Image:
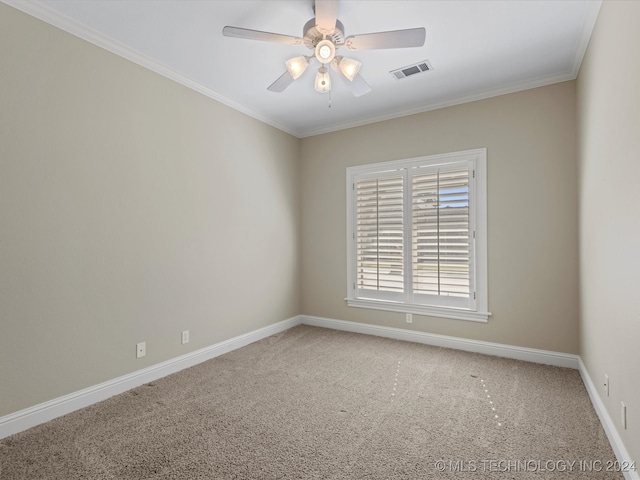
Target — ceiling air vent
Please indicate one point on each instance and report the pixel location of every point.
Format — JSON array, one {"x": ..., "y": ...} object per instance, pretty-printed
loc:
[{"x": 410, "y": 70}]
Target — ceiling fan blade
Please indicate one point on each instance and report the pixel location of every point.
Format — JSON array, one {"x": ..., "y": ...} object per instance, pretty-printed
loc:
[
  {"x": 281, "y": 83},
  {"x": 412, "y": 37},
  {"x": 262, "y": 36},
  {"x": 326, "y": 15},
  {"x": 358, "y": 85}
]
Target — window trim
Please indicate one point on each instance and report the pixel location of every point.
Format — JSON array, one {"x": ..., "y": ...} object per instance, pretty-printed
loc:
[{"x": 478, "y": 203}]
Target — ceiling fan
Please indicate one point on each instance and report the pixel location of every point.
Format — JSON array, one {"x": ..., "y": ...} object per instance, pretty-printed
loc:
[{"x": 324, "y": 35}]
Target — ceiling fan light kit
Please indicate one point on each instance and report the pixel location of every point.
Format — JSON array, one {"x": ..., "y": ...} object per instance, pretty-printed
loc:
[
  {"x": 324, "y": 34},
  {"x": 349, "y": 67},
  {"x": 297, "y": 65},
  {"x": 323, "y": 80}
]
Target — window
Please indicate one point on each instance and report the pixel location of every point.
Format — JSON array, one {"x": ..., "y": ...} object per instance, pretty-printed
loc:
[{"x": 416, "y": 235}]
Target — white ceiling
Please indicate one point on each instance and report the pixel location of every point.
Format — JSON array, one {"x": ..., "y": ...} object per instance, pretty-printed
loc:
[{"x": 477, "y": 49}]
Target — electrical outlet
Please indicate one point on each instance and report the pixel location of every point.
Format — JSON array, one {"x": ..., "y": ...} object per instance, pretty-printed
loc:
[
  {"x": 185, "y": 336},
  {"x": 606, "y": 385},
  {"x": 141, "y": 349},
  {"x": 623, "y": 415},
  {"x": 409, "y": 317}
]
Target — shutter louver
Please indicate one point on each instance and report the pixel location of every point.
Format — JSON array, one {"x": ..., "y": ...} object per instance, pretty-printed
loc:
[
  {"x": 379, "y": 234},
  {"x": 441, "y": 242},
  {"x": 417, "y": 235}
]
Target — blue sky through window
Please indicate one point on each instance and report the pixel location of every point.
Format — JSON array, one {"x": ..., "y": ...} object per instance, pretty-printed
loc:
[{"x": 455, "y": 197}]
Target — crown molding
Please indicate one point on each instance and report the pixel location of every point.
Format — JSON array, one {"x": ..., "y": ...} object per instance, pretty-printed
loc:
[
  {"x": 481, "y": 95},
  {"x": 593, "y": 10},
  {"x": 47, "y": 15},
  {"x": 42, "y": 12},
  {"x": 591, "y": 17}
]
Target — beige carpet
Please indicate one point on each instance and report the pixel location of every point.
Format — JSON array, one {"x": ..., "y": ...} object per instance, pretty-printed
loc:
[{"x": 316, "y": 403}]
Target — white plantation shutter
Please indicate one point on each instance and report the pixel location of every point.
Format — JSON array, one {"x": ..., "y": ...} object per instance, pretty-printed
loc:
[
  {"x": 417, "y": 235},
  {"x": 379, "y": 236},
  {"x": 441, "y": 236}
]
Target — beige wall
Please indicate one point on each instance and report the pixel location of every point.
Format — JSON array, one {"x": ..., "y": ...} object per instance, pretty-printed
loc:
[
  {"x": 609, "y": 170},
  {"x": 532, "y": 210},
  {"x": 131, "y": 209}
]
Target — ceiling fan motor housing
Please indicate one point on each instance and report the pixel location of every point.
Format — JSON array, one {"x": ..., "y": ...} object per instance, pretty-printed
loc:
[{"x": 311, "y": 36}]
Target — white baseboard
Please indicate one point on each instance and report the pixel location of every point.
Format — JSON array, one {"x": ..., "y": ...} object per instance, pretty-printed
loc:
[
  {"x": 609, "y": 426},
  {"x": 43, "y": 412},
  {"x": 497, "y": 349},
  {"x": 32, "y": 416}
]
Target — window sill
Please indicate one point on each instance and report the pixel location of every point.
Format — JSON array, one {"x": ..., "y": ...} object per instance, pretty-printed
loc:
[{"x": 455, "y": 313}]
